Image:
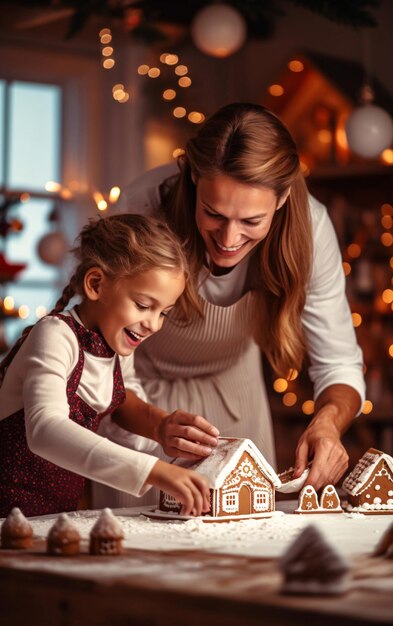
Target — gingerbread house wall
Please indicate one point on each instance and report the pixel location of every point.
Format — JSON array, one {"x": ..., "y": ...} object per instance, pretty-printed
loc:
[
  {"x": 246, "y": 490},
  {"x": 377, "y": 489}
]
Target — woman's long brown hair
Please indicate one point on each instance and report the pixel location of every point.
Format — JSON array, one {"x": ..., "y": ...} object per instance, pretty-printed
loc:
[{"x": 250, "y": 144}]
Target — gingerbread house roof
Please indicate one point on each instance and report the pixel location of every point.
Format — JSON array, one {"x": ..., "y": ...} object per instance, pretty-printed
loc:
[
  {"x": 224, "y": 459},
  {"x": 358, "y": 478}
]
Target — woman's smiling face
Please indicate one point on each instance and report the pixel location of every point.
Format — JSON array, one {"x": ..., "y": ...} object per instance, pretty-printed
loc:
[{"x": 232, "y": 218}]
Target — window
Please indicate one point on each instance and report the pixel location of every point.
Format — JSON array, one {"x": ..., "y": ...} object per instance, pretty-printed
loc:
[
  {"x": 30, "y": 151},
  {"x": 230, "y": 502},
  {"x": 261, "y": 500}
]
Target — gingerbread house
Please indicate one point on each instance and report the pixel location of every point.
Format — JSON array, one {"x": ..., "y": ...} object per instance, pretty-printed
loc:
[
  {"x": 242, "y": 482},
  {"x": 370, "y": 484}
]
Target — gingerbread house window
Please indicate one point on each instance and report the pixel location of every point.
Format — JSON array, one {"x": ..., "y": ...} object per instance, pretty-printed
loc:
[
  {"x": 261, "y": 500},
  {"x": 231, "y": 502}
]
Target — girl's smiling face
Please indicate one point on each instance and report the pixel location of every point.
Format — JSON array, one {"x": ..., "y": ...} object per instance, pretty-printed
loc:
[
  {"x": 127, "y": 310},
  {"x": 233, "y": 218}
]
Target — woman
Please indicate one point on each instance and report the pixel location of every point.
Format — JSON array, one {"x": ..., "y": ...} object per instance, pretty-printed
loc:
[{"x": 268, "y": 269}]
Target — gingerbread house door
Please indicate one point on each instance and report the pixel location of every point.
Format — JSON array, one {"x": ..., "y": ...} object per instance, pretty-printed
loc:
[{"x": 245, "y": 500}]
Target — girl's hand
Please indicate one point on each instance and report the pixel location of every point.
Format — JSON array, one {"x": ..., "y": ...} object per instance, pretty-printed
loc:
[
  {"x": 185, "y": 435},
  {"x": 187, "y": 486}
]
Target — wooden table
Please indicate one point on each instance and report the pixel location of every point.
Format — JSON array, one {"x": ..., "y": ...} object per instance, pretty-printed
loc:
[{"x": 178, "y": 588}]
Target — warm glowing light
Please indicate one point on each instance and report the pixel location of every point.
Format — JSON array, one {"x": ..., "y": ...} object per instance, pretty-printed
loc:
[
  {"x": 143, "y": 69},
  {"x": 391, "y": 262},
  {"x": 154, "y": 72},
  {"x": 8, "y": 303},
  {"x": 177, "y": 152},
  {"x": 386, "y": 239},
  {"x": 387, "y": 296},
  {"x": 179, "y": 112},
  {"x": 356, "y": 319},
  {"x": 41, "y": 311},
  {"x": 169, "y": 94},
  {"x": 181, "y": 70},
  {"x": 387, "y": 156},
  {"x": 117, "y": 87},
  {"x": 185, "y": 81},
  {"x": 354, "y": 250},
  {"x": 390, "y": 350},
  {"x": 289, "y": 399},
  {"x": 276, "y": 90},
  {"x": 107, "y": 64},
  {"x": 172, "y": 59},
  {"x": 304, "y": 168},
  {"x": 100, "y": 201},
  {"x": 24, "y": 197},
  {"x": 308, "y": 407},
  {"x": 163, "y": 57},
  {"x": 324, "y": 136},
  {"x": 195, "y": 117},
  {"x": 52, "y": 186},
  {"x": 107, "y": 38},
  {"x": 124, "y": 98},
  {"x": 65, "y": 194},
  {"x": 387, "y": 221},
  {"x": 107, "y": 51},
  {"x": 347, "y": 268},
  {"x": 118, "y": 94},
  {"x": 114, "y": 194},
  {"x": 367, "y": 407},
  {"x": 387, "y": 209},
  {"x": 296, "y": 66},
  {"x": 292, "y": 374},
  {"x": 104, "y": 31},
  {"x": 23, "y": 312},
  {"x": 341, "y": 138},
  {"x": 280, "y": 385}
]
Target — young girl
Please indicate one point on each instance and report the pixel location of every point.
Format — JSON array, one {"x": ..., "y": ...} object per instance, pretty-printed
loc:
[{"x": 72, "y": 368}]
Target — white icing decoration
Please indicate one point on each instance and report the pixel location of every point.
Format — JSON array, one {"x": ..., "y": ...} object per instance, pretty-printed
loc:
[
  {"x": 377, "y": 487},
  {"x": 377, "y": 500}
]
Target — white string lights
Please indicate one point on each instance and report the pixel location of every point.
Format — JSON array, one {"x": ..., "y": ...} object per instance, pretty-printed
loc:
[{"x": 180, "y": 80}]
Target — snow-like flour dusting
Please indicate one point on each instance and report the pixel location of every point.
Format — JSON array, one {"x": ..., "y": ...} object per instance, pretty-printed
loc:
[{"x": 268, "y": 537}]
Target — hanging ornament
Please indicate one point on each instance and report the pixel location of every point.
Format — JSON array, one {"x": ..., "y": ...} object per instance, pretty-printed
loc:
[
  {"x": 8, "y": 271},
  {"x": 369, "y": 128},
  {"x": 218, "y": 30},
  {"x": 52, "y": 248}
]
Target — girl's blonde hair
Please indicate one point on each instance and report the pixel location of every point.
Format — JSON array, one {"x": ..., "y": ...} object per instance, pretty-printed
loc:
[
  {"x": 122, "y": 245},
  {"x": 250, "y": 144}
]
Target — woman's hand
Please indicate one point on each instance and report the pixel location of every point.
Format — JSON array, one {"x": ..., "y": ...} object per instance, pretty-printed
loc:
[
  {"x": 186, "y": 435},
  {"x": 187, "y": 486},
  {"x": 321, "y": 441}
]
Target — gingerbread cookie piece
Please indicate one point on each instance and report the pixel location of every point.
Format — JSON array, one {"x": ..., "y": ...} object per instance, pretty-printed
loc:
[
  {"x": 106, "y": 536},
  {"x": 16, "y": 531},
  {"x": 330, "y": 502},
  {"x": 308, "y": 500},
  {"x": 313, "y": 566},
  {"x": 63, "y": 538}
]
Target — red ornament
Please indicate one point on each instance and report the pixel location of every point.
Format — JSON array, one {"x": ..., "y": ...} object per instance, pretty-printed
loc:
[{"x": 8, "y": 271}]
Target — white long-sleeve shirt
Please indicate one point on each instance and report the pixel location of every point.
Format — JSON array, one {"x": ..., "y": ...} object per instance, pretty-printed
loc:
[{"x": 36, "y": 381}]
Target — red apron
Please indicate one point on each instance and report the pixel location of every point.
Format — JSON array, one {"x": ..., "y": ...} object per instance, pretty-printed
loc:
[{"x": 32, "y": 483}]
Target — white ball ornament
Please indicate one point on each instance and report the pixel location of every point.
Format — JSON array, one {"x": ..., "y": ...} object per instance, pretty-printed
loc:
[
  {"x": 218, "y": 30},
  {"x": 369, "y": 131},
  {"x": 52, "y": 248}
]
